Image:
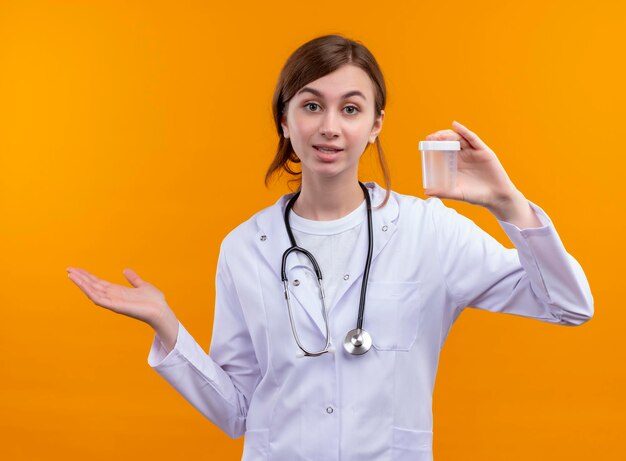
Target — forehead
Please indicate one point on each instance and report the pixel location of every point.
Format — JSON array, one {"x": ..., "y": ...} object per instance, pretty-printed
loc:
[{"x": 344, "y": 82}]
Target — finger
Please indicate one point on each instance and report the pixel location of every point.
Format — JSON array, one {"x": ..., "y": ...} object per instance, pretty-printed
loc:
[
  {"x": 96, "y": 292},
  {"x": 442, "y": 134},
  {"x": 448, "y": 135},
  {"x": 471, "y": 137},
  {"x": 86, "y": 274},
  {"x": 439, "y": 193},
  {"x": 96, "y": 284},
  {"x": 133, "y": 278},
  {"x": 84, "y": 285},
  {"x": 91, "y": 283}
]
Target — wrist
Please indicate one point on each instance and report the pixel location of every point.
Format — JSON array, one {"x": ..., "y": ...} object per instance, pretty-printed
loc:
[
  {"x": 517, "y": 212},
  {"x": 161, "y": 316},
  {"x": 165, "y": 325},
  {"x": 508, "y": 205}
]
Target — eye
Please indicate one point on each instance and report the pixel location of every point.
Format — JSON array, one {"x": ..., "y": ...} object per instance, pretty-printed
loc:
[{"x": 351, "y": 109}]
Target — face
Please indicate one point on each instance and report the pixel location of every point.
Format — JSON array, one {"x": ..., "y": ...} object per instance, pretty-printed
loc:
[{"x": 336, "y": 110}]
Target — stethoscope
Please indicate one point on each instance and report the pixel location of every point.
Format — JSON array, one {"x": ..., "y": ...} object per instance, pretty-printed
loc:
[{"x": 357, "y": 341}]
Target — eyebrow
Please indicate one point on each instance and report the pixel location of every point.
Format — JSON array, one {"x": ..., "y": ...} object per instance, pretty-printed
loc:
[{"x": 318, "y": 94}]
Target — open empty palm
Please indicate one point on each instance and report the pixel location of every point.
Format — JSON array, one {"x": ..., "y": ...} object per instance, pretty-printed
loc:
[{"x": 143, "y": 301}]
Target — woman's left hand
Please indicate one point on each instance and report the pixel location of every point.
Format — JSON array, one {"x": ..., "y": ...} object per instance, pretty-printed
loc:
[{"x": 481, "y": 177}]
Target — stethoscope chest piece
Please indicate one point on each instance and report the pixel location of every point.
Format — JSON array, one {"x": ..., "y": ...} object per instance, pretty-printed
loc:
[{"x": 357, "y": 342}]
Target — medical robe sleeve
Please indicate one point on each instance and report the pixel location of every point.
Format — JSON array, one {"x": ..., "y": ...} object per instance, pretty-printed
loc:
[
  {"x": 220, "y": 384},
  {"x": 536, "y": 279}
]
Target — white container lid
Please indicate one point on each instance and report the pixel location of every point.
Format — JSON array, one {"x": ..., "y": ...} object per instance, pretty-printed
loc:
[{"x": 439, "y": 145}]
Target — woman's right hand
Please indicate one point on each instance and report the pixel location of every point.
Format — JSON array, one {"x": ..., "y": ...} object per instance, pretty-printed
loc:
[{"x": 144, "y": 301}]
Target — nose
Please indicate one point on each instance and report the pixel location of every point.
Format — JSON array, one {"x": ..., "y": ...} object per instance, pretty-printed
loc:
[{"x": 329, "y": 126}]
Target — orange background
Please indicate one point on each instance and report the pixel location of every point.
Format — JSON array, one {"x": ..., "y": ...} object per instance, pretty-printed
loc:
[{"x": 138, "y": 135}]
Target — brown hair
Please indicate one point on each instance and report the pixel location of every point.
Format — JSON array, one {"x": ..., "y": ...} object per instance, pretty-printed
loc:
[{"x": 313, "y": 60}]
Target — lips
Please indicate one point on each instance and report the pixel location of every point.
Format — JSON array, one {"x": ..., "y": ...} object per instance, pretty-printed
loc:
[
  {"x": 327, "y": 150},
  {"x": 327, "y": 156}
]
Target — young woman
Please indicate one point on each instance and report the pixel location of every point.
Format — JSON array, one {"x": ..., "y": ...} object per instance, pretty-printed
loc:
[{"x": 330, "y": 351}]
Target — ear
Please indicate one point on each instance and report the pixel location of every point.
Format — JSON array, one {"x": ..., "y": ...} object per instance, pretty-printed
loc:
[
  {"x": 283, "y": 124},
  {"x": 378, "y": 125}
]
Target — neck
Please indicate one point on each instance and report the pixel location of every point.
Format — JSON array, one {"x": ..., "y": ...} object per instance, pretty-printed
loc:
[{"x": 327, "y": 200}]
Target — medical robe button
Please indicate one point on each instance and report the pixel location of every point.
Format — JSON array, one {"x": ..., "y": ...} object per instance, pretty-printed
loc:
[
  {"x": 263, "y": 238},
  {"x": 329, "y": 410},
  {"x": 346, "y": 277},
  {"x": 296, "y": 282},
  {"x": 385, "y": 228}
]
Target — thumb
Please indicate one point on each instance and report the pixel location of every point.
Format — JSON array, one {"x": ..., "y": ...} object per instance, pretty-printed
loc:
[
  {"x": 440, "y": 193},
  {"x": 133, "y": 278}
]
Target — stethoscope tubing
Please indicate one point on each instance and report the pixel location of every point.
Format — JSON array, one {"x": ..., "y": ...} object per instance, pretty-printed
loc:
[{"x": 295, "y": 248}]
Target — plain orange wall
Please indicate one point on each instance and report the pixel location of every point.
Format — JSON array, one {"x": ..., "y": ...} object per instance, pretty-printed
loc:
[{"x": 137, "y": 134}]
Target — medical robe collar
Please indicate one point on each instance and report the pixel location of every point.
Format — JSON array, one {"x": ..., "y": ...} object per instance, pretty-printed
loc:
[{"x": 272, "y": 240}]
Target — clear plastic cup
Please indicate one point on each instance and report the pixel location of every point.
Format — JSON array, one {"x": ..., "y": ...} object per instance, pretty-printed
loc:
[{"x": 439, "y": 163}]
